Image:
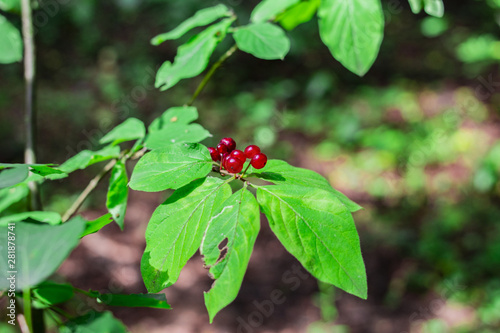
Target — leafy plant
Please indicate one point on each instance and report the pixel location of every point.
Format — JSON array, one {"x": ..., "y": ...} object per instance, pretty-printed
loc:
[{"x": 311, "y": 219}]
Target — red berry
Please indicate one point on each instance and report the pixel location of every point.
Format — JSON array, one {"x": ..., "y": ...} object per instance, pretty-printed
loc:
[
  {"x": 259, "y": 160},
  {"x": 251, "y": 150},
  {"x": 229, "y": 143},
  {"x": 234, "y": 165},
  {"x": 225, "y": 158},
  {"x": 214, "y": 154},
  {"x": 238, "y": 154},
  {"x": 222, "y": 148}
]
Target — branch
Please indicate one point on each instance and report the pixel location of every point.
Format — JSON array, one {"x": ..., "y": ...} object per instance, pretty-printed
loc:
[
  {"x": 27, "y": 308},
  {"x": 30, "y": 111},
  {"x": 95, "y": 181},
  {"x": 211, "y": 72},
  {"x": 90, "y": 187}
]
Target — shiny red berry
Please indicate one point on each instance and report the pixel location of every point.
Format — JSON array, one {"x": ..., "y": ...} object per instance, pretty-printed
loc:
[
  {"x": 238, "y": 154},
  {"x": 222, "y": 148},
  {"x": 251, "y": 150},
  {"x": 225, "y": 158},
  {"x": 214, "y": 154},
  {"x": 229, "y": 143},
  {"x": 234, "y": 165},
  {"x": 259, "y": 160}
]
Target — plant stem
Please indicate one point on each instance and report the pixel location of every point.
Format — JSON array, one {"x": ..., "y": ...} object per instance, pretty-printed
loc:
[
  {"x": 86, "y": 293},
  {"x": 27, "y": 308},
  {"x": 23, "y": 327},
  {"x": 90, "y": 187},
  {"x": 211, "y": 72},
  {"x": 95, "y": 181},
  {"x": 30, "y": 110}
]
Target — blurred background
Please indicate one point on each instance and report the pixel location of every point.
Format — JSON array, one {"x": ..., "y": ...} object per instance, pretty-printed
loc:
[{"x": 415, "y": 142}]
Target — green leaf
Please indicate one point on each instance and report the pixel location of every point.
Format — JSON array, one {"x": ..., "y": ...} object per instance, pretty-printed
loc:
[
  {"x": 262, "y": 40},
  {"x": 319, "y": 231},
  {"x": 176, "y": 133},
  {"x": 158, "y": 301},
  {"x": 176, "y": 229},
  {"x": 353, "y": 31},
  {"x": 174, "y": 115},
  {"x": 280, "y": 172},
  {"x": 14, "y": 175},
  {"x": 434, "y": 7},
  {"x": 41, "y": 248},
  {"x": 171, "y": 167},
  {"x": 48, "y": 172},
  {"x": 130, "y": 129},
  {"x": 239, "y": 222},
  {"x": 49, "y": 293},
  {"x": 298, "y": 14},
  {"x": 192, "y": 58},
  {"x": 10, "y": 42},
  {"x": 118, "y": 193},
  {"x": 10, "y": 5},
  {"x": 173, "y": 126},
  {"x": 200, "y": 18},
  {"x": 416, "y": 6},
  {"x": 268, "y": 9},
  {"x": 86, "y": 158},
  {"x": 97, "y": 224},
  {"x": 11, "y": 195},
  {"x": 431, "y": 7},
  {"x": 44, "y": 217},
  {"x": 94, "y": 322},
  {"x": 39, "y": 171}
]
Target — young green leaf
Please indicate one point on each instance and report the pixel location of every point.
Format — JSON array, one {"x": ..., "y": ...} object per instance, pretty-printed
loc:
[
  {"x": 49, "y": 293},
  {"x": 118, "y": 193},
  {"x": 238, "y": 221},
  {"x": 173, "y": 126},
  {"x": 10, "y": 42},
  {"x": 11, "y": 195},
  {"x": 352, "y": 31},
  {"x": 42, "y": 248},
  {"x": 86, "y": 158},
  {"x": 13, "y": 175},
  {"x": 176, "y": 229},
  {"x": 171, "y": 167},
  {"x": 268, "y": 9},
  {"x": 262, "y": 40},
  {"x": 192, "y": 58},
  {"x": 434, "y": 7},
  {"x": 298, "y": 14},
  {"x": 94, "y": 322},
  {"x": 319, "y": 231},
  {"x": 280, "y": 172},
  {"x": 416, "y": 6},
  {"x": 130, "y": 129},
  {"x": 157, "y": 301},
  {"x": 48, "y": 172},
  {"x": 200, "y": 18},
  {"x": 44, "y": 217},
  {"x": 174, "y": 115},
  {"x": 10, "y": 5},
  {"x": 97, "y": 224}
]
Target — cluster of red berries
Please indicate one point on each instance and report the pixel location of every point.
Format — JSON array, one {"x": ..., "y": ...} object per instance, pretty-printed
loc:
[{"x": 233, "y": 159}]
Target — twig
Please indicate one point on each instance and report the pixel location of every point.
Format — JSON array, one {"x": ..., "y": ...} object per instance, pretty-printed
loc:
[
  {"x": 30, "y": 111},
  {"x": 90, "y": 187},
  {"x": 211, "y": 72},
  {"x": 95, "y": 181},
  {"x": 27, "y": 308},
  {"x": 23, "y": 327}
]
